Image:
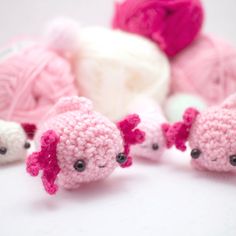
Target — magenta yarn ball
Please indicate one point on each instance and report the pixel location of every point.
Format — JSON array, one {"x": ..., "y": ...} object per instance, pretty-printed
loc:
[
  {"x": 206, "y": 68},
  {"x": 172, "y": 24},
  {"x": 32, "y": 79}
]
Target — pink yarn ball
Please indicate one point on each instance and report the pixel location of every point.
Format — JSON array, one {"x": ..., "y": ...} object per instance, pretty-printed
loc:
[
  {"x": 207, "y": 68},
  {"x": 173, "y": 24},
  {"x": 32, "y": 79}
]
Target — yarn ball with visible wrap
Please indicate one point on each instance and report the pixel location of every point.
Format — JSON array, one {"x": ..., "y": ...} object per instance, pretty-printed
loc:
[
  {"x": 32, "y": 78},
  {"x": 172, "y": 24},
  {"x": 207, "y": 69}
]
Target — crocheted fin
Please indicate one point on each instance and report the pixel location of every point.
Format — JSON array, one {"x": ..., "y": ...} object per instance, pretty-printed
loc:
[
  {"x": 177, "y": 134},
  {"x": 29, "y": 129},
  {"x": 230, "y": 102},
  {"x": 130, "y": 134},
  {"x": 46, "y": 161},
  {"x": 73, "y": 103}
]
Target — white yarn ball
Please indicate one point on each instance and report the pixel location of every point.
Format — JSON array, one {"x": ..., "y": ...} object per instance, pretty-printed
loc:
[
  {"x": 115, "y": 67},
  {"x": 12, "y": 138},
  {"x": 176, "y": 104}
]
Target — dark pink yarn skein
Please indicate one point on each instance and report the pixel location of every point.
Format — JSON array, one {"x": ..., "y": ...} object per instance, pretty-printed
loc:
[{"x": 172, "y": 24}]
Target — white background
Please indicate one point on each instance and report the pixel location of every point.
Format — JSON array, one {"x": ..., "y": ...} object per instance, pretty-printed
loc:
[{"x": 167, "y": 198}]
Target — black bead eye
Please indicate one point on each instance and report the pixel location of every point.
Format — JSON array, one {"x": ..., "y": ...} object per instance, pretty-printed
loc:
[
  {"x": 155, "y": 146},
  {"x": 3, "y": 150},
  {"x": 80, "y": 165},
  {"x": 121, "y": 158},
  {"x": 27, "y": 145},
  {"x": 195, "y": 153},
  {"x": 232, "y": 160}
]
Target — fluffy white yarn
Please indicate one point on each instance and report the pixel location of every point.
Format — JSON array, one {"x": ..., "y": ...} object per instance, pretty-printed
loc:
[
  {"x": 13, "y": 138},
  {"x": 112, "y": 67},
  {"x": 176, "y": 104},
  {"x": 116, "y": 67},
  {"x": 61, "y": 35}
]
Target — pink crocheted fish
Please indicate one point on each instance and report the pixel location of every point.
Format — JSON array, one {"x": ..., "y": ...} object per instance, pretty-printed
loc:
[
  {"x": 79, "y": 145},
  {"x": 152, "y": 119},
  {"x": 211, "y": 136}
]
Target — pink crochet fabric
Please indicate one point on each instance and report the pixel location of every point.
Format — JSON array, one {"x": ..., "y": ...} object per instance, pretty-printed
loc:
[
  {"x": 131, "y": 135},
  {"x": 178, "y": 133},
  {"x": 173, "y": 24},
  {"x": 155, "y": 144},
  {"x": 32, "y": 78},
  {"x": 211, "y": 136},
  {"x": 79, "y": 145},
  {"x": 30, "y": 129},
  {"x": 206, "y": 68}
]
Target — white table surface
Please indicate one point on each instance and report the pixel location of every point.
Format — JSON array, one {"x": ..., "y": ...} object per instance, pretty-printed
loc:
[{"x": 162, "y": 199}]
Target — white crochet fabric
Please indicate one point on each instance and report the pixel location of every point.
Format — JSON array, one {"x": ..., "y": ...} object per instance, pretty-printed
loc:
[{"x": 12, "y": 139}]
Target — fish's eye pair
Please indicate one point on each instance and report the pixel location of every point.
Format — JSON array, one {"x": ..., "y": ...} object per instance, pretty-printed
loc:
[
  {"x": 3, "y": 150},
  {"x": 80, "y": 165},
  {"x": 195, "y": 154}
]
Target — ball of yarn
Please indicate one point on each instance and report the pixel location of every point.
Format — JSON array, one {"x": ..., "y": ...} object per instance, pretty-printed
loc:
[
  {"x": 61, "y": 35},
  {"x": 172, "y": 24},
  {"x": 32, "y": 79},
  {"x": 115, "y": 67},
  {"x": 207, "y": 69},
  {"x": 177, "y": 103},
  {"x": 112, "y": 67}
]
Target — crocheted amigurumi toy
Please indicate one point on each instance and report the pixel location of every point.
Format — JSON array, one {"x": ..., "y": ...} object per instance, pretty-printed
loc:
[
  {"x": 152, "y": 119},
  {"x": 13, "y": 141},
  {"x": 211, "y": 135},
  {"x": 79, "y": 145}
]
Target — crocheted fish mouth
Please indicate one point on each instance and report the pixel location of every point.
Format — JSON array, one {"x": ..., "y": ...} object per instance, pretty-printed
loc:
[
  {"x": 214, "y": 160},
  {"x": 102, "y": 166}
]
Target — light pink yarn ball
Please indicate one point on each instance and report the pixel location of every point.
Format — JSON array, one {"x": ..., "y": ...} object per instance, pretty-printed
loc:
[
  {"x": 32, "y": 79},
  {"x": 207, "y": 68}
]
